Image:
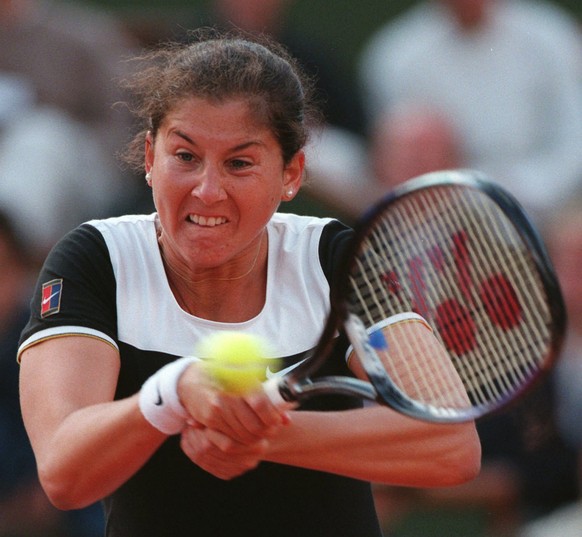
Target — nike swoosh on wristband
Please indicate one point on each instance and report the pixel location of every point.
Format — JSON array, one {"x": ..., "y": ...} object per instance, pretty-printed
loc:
[{"x": 160, "y": 401}]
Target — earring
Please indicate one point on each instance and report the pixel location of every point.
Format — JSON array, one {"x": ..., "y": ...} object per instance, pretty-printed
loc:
[
  {"x": 290, "y": 193},
  {"x": 148, "y": 177}
]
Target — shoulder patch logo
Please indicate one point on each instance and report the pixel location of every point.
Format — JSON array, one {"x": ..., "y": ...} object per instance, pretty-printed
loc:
[{"x": 51, "y": 297}]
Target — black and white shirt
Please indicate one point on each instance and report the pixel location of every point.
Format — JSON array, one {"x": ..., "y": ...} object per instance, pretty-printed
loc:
[{"x": 106, "y": 280}]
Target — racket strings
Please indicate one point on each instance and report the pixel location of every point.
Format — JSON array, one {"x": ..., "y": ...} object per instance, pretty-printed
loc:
[
  {"x": 517, "y": 305},
  {"x": 431, "y": 386},
  {"x": 459, "y": 262},
  {"x": 497, "y": 315},
  {"x": 501, "y": 358},
  {"x": 431, "y": 390},
  {"x": 431, "y": 235},
  {"x": 448, "y": 287}
]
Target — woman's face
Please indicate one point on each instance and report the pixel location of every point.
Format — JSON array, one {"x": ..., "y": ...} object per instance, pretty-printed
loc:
[{"x": 217, "y": 175}]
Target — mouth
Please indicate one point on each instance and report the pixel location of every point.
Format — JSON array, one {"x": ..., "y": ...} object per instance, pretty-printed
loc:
[{"x": 206, "y": 221}]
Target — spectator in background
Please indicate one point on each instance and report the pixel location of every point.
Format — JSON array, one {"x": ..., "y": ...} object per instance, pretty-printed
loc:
[
  {"x": 410, "y": 141},
  {"x": 58, "y": 126},
  {"x": 71, "y": 55},
  {"x": 53, "y": 172},
  {"x": 404, "y": 142},
  {"x": 506, "y": 74}
]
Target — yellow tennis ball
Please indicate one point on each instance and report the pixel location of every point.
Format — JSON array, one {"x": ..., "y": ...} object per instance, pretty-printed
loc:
[{"x": 236, "y": 360}]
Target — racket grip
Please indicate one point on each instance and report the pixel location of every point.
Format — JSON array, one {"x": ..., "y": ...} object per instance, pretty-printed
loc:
[{"x": 271, "y": 388}]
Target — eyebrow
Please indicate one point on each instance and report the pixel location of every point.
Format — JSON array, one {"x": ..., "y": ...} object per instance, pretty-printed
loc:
[{"x": 239, "y": 147}]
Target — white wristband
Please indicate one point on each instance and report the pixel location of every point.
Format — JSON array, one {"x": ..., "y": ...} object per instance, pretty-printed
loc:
[
  {"x": 393, "y": 319},
  {"x": 158, "y": 398}
]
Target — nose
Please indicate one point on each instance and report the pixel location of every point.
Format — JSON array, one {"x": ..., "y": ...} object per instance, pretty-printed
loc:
[{"x": 209, "y": 187}]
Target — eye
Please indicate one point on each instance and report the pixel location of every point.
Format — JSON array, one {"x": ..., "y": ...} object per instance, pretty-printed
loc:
[
  {"x": 238, "y": 164},
  {"x": 185, "y": 156}
]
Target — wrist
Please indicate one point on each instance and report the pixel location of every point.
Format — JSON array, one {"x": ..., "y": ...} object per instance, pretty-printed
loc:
[{"x": 158, "y": 398}]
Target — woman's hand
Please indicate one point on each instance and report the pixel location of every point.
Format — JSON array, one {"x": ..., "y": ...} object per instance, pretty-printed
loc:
[
  {"x": 227, "y": 434},
  {"x": 220, "y": 455}
]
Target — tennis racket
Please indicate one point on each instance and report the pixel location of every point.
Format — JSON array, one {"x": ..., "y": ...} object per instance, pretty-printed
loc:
[{"x": 449, "y": 300}]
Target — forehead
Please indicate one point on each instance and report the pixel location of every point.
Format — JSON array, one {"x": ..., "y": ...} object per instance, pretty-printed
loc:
[{"x": 232, "y": 114}]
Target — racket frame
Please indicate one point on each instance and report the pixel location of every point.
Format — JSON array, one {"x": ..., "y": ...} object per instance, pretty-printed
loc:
[{"x": 299, "y": 384}]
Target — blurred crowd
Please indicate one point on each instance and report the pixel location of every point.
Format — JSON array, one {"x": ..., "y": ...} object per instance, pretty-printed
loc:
[{"x": 493, "y": 85}]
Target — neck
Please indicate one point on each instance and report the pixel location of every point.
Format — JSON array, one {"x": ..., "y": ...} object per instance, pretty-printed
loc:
[
  {"x": 211, "y": 278},
  {"x": 236, "y": 298}
]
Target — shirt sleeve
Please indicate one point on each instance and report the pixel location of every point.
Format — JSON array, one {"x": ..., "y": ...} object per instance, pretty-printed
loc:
[
  {"x": 75, "y": 293},
  {"x": 333, "y": 246}
]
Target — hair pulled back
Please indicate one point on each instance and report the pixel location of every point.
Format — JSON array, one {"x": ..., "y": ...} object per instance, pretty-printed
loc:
[{"x": 219, "y": 67}]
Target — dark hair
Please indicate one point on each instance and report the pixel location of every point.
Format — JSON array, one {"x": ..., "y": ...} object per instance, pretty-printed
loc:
[{"x": 219, "y": 66}]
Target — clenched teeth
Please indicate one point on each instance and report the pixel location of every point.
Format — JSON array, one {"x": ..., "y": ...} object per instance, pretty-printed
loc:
[{"x": 207, "y": 221}]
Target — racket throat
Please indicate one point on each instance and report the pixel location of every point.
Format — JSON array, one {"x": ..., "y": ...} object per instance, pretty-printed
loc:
[{"x": 331, "y": 385}]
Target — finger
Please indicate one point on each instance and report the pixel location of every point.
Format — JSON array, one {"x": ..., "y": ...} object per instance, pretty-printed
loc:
[
  {"x": 244, "y": 419},
  {"x": 232, "y": 448},
  {"x": 269, "y": 413},
  {"x": 232, "y": 416},
  {"x": 218, "y": 454},
  {"x": 254, "y": 417}
]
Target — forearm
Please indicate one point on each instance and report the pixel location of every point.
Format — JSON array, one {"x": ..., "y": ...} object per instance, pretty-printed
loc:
[
  {"x": 94, "y": 451},
  {"x": 86, "y": 444},
  {"x": 376, "y": 444}
]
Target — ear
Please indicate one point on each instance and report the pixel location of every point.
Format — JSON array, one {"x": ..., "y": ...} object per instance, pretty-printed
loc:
[
  {"x": 149, "y": 152},
  {"x": 293, "y": 176}
]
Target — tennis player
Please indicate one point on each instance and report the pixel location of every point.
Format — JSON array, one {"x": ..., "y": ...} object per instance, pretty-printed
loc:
[{"x": 114, "y": 407}]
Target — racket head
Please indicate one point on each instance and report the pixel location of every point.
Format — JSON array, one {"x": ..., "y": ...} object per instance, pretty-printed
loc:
[{"x": 460, "y": 252}]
